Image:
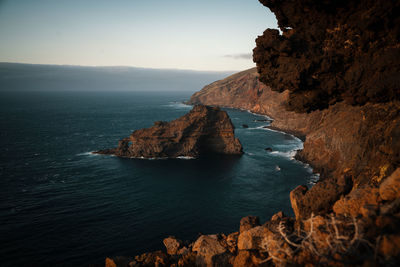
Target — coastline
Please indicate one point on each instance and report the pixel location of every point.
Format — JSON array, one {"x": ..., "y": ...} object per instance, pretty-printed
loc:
[
  {"x": 318, "y": 203},
  {"x": 296, "y": 134}
]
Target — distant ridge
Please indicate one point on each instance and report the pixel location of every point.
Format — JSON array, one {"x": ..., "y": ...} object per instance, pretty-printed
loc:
[
  {"x": 38, "y": 77},
  {"x": 115, "y": 67}
]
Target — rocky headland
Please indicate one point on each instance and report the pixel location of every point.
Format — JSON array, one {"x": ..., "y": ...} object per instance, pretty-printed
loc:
[
  {"x": 363, "y": 140},
  {"x": 204, "y": 130},
  {"x": 332, "y": 77}
]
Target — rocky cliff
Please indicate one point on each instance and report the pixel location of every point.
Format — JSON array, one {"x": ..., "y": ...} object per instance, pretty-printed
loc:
[
  {"x": 361, "y": 140},
  {"x": 335, "y": 67},
  {"x": 331, "y": 51},
  {"x": 202, "y": 131}
]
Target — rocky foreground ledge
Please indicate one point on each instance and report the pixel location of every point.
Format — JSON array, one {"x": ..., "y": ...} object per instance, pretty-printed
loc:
[
  {"x": 362, "y": 230},
  {"x": 204, "y": 130}
]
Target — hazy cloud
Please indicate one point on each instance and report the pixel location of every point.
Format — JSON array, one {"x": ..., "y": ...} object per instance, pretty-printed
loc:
[{"x": 240, "y": 56}]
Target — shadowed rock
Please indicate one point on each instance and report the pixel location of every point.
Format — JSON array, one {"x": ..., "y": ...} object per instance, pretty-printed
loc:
[
  {"x": 204, "y": 130},
  {"x": 331, "y": 51}
]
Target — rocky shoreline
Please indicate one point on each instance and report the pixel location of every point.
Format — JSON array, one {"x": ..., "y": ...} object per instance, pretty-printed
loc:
[
  {"x": 331, "y": 137},
  {"x": 333, "y": 76},
  {"x": 356, "y": 219},
  {"x": 333, "y": 209}
]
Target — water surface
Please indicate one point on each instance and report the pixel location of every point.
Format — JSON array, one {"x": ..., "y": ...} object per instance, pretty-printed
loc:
[{"x": 61, "y": 205}]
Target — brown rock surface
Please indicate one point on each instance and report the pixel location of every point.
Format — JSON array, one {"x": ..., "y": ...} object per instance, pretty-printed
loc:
[
  {"x": 244, "y": 258},
  {"x": 361, "y": 140},
  {"x": 296, "y": 196},
  {"x": 331, "y": 51},
  {"x": 338, "y": 61},
  {"x": 390, "y": 187},
  {"x": 208, "y": 247},
  {"x": 172, "y": 245},
  {"x": 249, "y": 259},
  {"x": 231, "y": 241},
  {"x": 320, "y": 198},
  {"x": 248, "y": 222},
  {"x": 156, "y": 258},
  {"x": 203, "y": 130},
  {"x": 356, "y": 200},
  {"x": 278, "y": 216},
  {"x": 253, "y": 238}
]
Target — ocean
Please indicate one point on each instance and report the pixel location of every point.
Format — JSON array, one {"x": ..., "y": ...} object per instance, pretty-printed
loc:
[{"x": 60, "y": 205}]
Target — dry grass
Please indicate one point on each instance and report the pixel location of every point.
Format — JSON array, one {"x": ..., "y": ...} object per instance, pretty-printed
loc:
[{"x": 336, "y": 239}]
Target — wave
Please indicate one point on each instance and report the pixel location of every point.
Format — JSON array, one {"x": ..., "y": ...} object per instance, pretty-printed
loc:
[
  {"x": 93, "y": 154},
  {"x": 288, "y": 149},
  {"x": 260, "y": 115},
  {"x": 185, "y": 157},
  {"x": 277, "y": 131},
  {"x": 178, "y": 105},
  {"x": 289, "y": 154},
  {"x": 90, "y": 153}
]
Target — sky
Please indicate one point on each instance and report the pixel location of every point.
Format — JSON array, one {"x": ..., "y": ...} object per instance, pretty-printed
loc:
[{"x": 174, "y": 34}]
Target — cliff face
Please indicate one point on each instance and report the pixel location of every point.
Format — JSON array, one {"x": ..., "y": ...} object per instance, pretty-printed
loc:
[
  {"x": 337, "y": 63},
  {"x": 202, "y": 131},
  {"x": 359, "y": 140},
  {"x": 343, "y": 58}
]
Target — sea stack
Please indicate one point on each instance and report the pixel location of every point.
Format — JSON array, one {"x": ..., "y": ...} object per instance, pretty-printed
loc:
[{"x": 204, "y": 130}]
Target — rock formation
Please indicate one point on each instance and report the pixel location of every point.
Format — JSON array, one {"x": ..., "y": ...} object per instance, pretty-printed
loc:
[
  {"x": 332, "y": 51},
  {"x": 362, "y": 230},
  {"x": 360, "y": 141},
  {"x": 203, "y": 130},
  {"x": 337, "y": 63}
]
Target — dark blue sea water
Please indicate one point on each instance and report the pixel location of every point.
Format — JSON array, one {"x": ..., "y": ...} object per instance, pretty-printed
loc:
[{"x": 61, "y": 205}]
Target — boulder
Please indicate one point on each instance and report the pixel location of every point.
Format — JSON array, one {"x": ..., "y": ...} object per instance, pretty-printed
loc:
[
  {"x": 172, "y": 245},
  {"x": 278, "y": 216},
  {"x": 248, "y": 222},
  {"x": 320, "y": 198},
  {"x": 204, "y": 130},
  {"x": 358, "y": 201},
  {"x": 207, "y": 247},
  {"x": 252, "y": 238},
  {"x": 262, "y": 239}
]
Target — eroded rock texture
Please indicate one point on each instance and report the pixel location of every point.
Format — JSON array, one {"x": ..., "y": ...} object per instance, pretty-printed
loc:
[
  {"x": 204, "y": 130},
  {"x": 331, "y": 54},
  {"x": 332, "y": 51},
  {"x": 343, "y": 140}
]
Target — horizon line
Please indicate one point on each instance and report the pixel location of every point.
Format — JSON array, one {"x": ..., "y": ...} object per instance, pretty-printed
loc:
[{"x": 119, "y": 66}]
